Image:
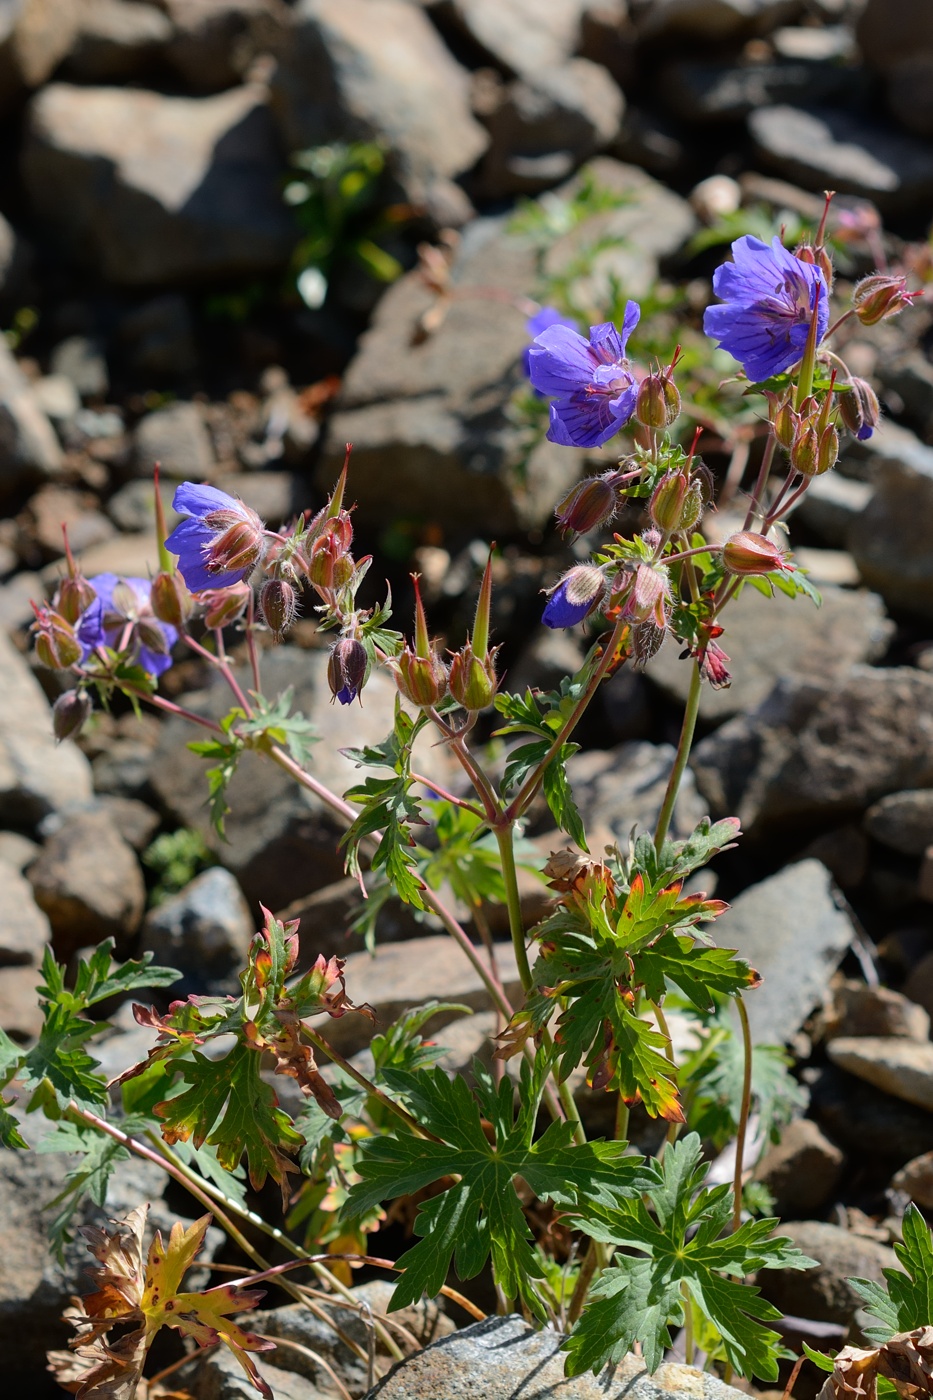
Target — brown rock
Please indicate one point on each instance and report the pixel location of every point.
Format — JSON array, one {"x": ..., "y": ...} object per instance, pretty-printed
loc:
[
  {"x": 903, "y": 1068},
  {"x": 915, "y": 1179},
  {"x": 802, "y": 1170},
  {"x": 919, "y": 984},
  {"x": 858, "y": 1010},
  {"x": 24, "y": 929},
  {"x": 20, "y": 1014},
  {"x": 825, "y": 1293},
  {"x": 89, "y": 883}
]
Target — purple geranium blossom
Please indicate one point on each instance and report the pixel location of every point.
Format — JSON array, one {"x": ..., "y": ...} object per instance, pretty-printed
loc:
[
  {"x": 771, "y": 297},
  {"x": 593, "y": 388},
  {"x": 221, "y": 540},
  {"x": 121, "y": 617},
  {"x": 540, "y": 321},
  {"x": 575, "y": 597}
]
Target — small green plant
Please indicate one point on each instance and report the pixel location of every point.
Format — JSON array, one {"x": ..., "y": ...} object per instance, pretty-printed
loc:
[{"x": 175, "y": 858}]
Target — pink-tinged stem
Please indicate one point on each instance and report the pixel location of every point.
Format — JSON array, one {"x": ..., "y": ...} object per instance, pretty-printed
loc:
[{"x": 251, "y": 642}]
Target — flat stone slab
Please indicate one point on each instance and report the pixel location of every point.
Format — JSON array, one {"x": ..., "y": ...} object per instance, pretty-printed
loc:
[
  {"x": 791, "y": 930},
  {"x": 903, "y": 1068},
  {"x": 503, "y": 1358}
]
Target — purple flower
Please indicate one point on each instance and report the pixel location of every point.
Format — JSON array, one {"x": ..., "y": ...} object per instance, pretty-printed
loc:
[
  {"x": 540, "y": 321},
  {"x": 771, "y": 297},
  {"x": 577, "y": 594},
  {"x": 122, "y": 618},
  {"x": 221, "y": 540},
  {"x": 593, "y": 387}
]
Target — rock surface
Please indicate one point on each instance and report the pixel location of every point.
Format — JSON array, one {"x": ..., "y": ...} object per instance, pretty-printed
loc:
[
  {"x": 903, "y": 821},
  {"x": 824, "y": 1293},
  {"x": 29, "y": 449},
  {"x": 24, "y": 928},
  {"x": 88, "y": 882},
  {"x": 504, "y": 1357},
  {"x": 620, "y": 787},
  {"x": 890, "y": 539},
  {"x": 858, "y": 1010},
  {"x": 915, "y": 1179},
  {"x": 791, "y": 930},
  {"x": 903, "y": 1068},
  {"x": 204, "y": 932},
  {"x": 149, "y": 189},
  {"x": 802, "y": 1170}
]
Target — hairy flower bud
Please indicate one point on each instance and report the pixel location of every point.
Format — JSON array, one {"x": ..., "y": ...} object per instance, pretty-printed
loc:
[
  {"x": 782, "y": 416},
  {"x": 420, "y": 674},
  {"x": 649, "y": 595},
  {"x": 330, "y": 564},
  {"x": 224, "y": 606},
  {"x": 817, "y": 257},
  {"x": 577, "y": 594},
  {"x": 882, "y": 295},
  {"x": 592, "y": 502},
  {"x": 346, "y": 669},
  {"x": 70, "y": 713},
  {"x": 73, "y": 596},
  {"x": 805, "y": 450},
  {"x": 748, "y": 553},
  {"x": 57, "y": 647},
  {"x": 171, "y": 602},
  {"x": 859, "y": 408},
  {"x": 278, "y": 604},
  {"x": 676, "y": 502},
  {"x": 473, "y": 681}
]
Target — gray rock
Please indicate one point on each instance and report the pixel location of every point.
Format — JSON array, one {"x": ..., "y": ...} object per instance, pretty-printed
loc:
[
  {"x": 543, "y": 128},
  {"x": 16, "y": 258},
  {"x": 724, "y": 92},
  {"x": 790, "y": 929},
  {"x": 915, "y": 1179},
  {"x": 36, "y": 775},
  {"x": 326, "y": 916},
  {"x": 802, "y": 1170},
  {"x": 520, "y": 37},
  {"x": 215, "y": 41},
  {"x": 136, "y": 822},
  {"x": 858, "y": 1010},
  {"x": 177, "y": 438},
  {"x": 919, "y": 984},
  {"x": 909, "y": 378},
  {"x": 623, "y": 787},
  {"x": 122, "y": 770},
  {"x": 29, "y": 449},
  {"x": 829, "y": 148},
  {"x": 891, "y": 540},
  {"x": 886, "y": 36},
  {"x": 903, "y": 821},
  {"x": 89, "y": 883},
  {"x": 377, "y": 70},
  {"x": 822, "y": 44},
  {"x": 831, "y": 505},
  {"x": 20, "y": 1013},
  {"x": 204, "y": 931},
  {"x": 219, "y": 1376},
  {"x": 81, "y": 359},
  {"x": 24, "y": 928},
  {"x": 817, "y": 750},
  {"x": 825, "y": 1293},
  {"x": 766, "y": 639},
  {"x": 505, "y": 1357},
  {"x": 903, "y": 1068},
  {"x": 17, "y": 850},
  {"x": 132, "y": 508},
  {"x": 852, "y": 1113},
  {"x": 400, "y": 975},
  {"x": 709, "y": 19},
  {"x": 116, "y": 41},
  {"x": 159, "y": 337},
  {"x": 429, "y": 420},
  {"x": 35, "y": 35},
  {"x": 57, "y": 397},
  {"x": 150, "y": 189}
]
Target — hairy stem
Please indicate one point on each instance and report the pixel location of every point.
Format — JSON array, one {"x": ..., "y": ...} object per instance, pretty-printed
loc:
[
  {"x": 764, "y": 471},
  {"x": 680, "y": 760},
  {"x": 504, "y": 838},
  {"x": 743, "y": 1115},
  {"x": 368, "y": 1085}
]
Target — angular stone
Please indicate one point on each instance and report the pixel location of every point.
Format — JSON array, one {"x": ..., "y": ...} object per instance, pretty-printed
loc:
[
  {"x": 89, "y": 883},
  {"x": 35, "y": 35},
  {"x": 790, "y": 929},
  {"x": 81, "y": 359},
  {"x": 24, "y": 929},
  {"x": 204, "y": 932},
  {"x": 326, "y": 916},
  {"x": 852, "y": 1113},
  {"x": 36, "y": 775},
  {"x": 505, "y": 1357},
  {"x": 723, "y": 92},
  {"x": 802, "y": 1170},
  {"x": 825, "y": 1293},
  {"x": 377, "y": 70},
  {"x": 709, "y": 19},
  {"x": 903, "y": 1068},
  {"x": 29, "y": 449},
  {"x": 521, "y": 37},
  {"x": 20, "y": 1013},
  {"x": 891, "y": 538},
  {"x": 176, "y": 437},
  {"x": 812, "y": 750},
  {"x": 769, "y": 638},
  {"x": 903, "y": 821},
  {"x": 544, "y": 126},
  {"x": 219, "y": 1376},
  {"x": 400, "y": 975},
  {"x": 858, "y": 1010},
  {"x": 215, "y": 41},
  {"x": 428, "y": 420},
  {"x": 619, "y": 788},
  {"x": 832, "y": 504},
  {"x": 834, "y": 149},
  {"x": 116, "y": 41},
  {"x": 151, "y": 189},
  {"x": 915, "y": 1179}
]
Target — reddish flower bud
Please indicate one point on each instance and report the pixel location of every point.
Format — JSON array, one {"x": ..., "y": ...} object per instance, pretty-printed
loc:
[
  {"x": 676, "y": 503},
  {"x": 420, "y": 674},
  {"x": 882, "y": 295},
  {"x": 73, "y": 597},
  {"x": 859, "y": 408},
  {"x": 817, "y": 257},
  {"x": 657, "y": 403},
  {"x": 473, "y": 681},
  {"x": 592, "y": 502},
  {"x": 170, "y": 600},
  {"x": 649, "y": 595},
  {"x": 224, "y": 606},
  {"x": 70, "y": 713},
  {"x": 330, "y": 564},
  {"x": 57, "y": 647},
  {"x": 278, "y": 603},
  {"x": 748, "y": 553},
  {"x": 346, "y": 670},
  {"x": 782, "y": 416}
]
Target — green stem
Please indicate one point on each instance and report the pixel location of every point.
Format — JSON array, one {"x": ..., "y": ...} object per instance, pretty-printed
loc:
[
  {"x": 680, "y": 761},
  {"x": 744, "y": 1113},
  {"x": 504, "y": 838},
  {"x": 367, "y": 1084}
]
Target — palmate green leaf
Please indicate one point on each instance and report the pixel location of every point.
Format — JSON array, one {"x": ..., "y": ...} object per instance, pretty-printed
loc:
[
  {"x": 908, "y": 1300},
  {"x": 89, "y": 1177},
  {"x": 679, "y": 1248},
  {"x": 273, "y": 722},
  {"x": 559, "y": 796},
  {"x": 388, "y": 810},
  {"x": 480, "y": 1214},
  {"x": 219, "y": 775}
]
